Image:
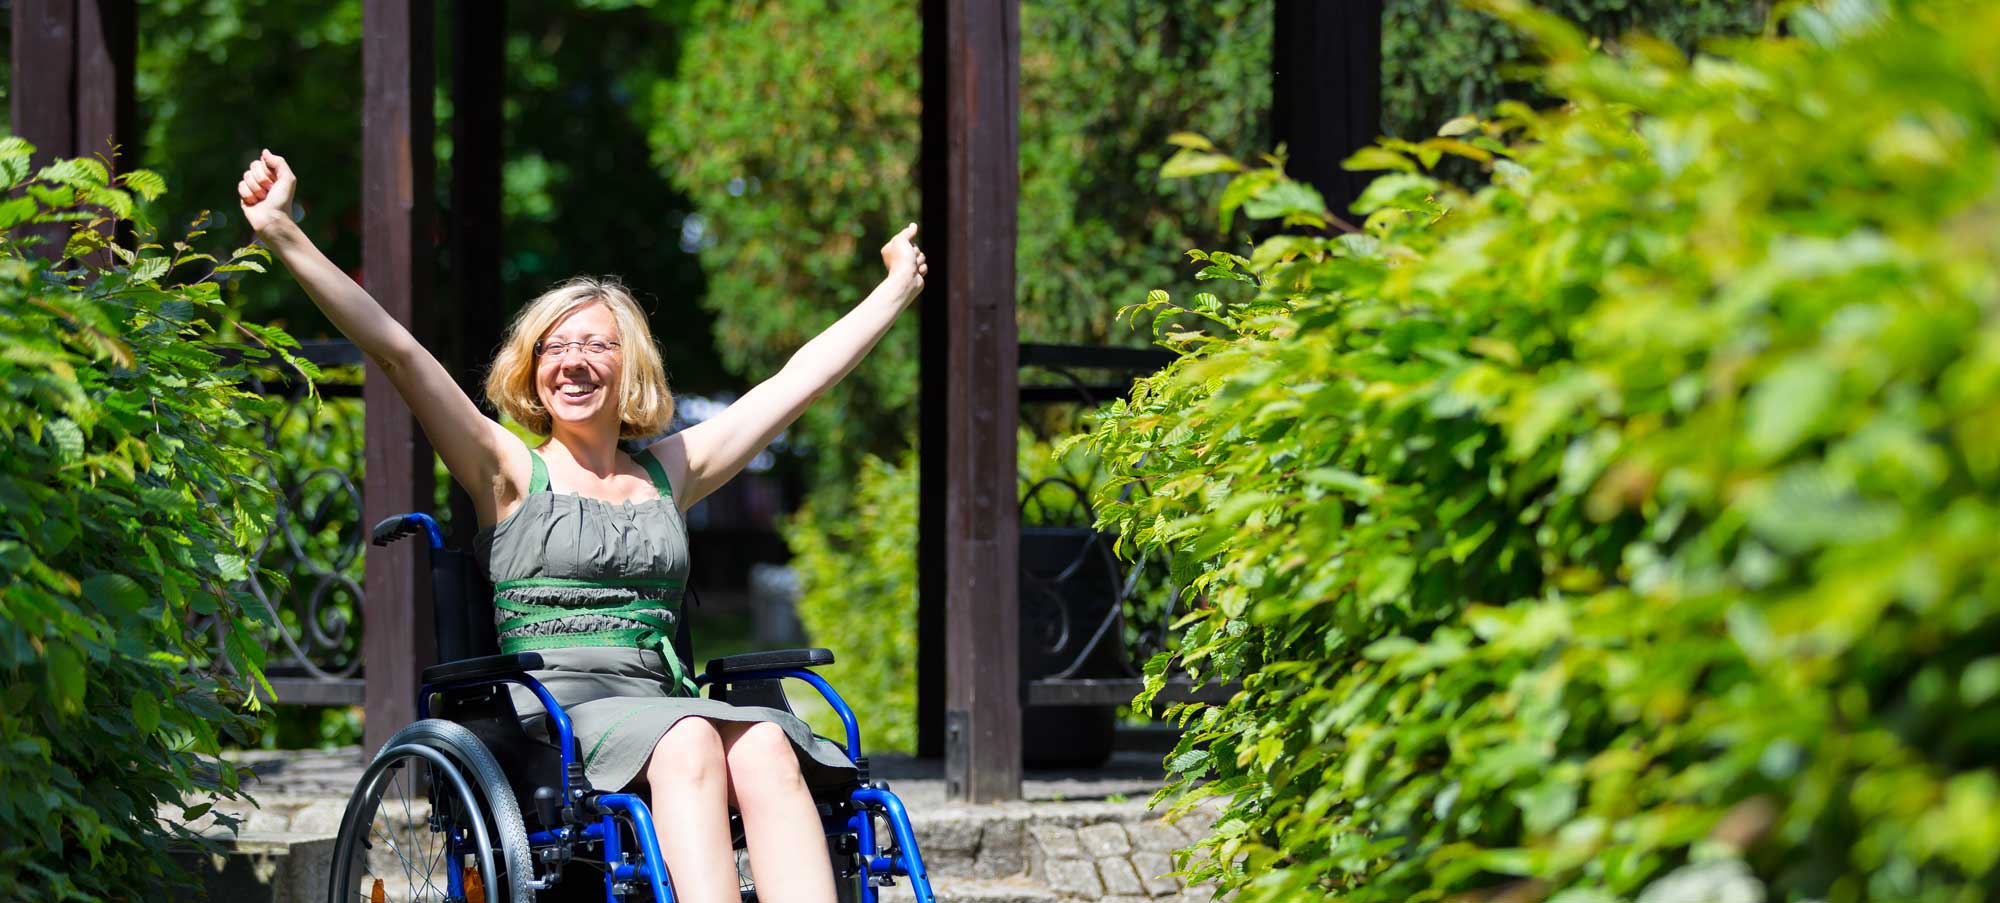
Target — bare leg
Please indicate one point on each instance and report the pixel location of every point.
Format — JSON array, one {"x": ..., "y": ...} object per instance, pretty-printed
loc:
[
  {"x": 689, "y": 779},
  {"x": 787, "y": 848}
]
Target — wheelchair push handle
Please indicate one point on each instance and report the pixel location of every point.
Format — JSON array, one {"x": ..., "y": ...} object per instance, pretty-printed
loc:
[{"x": 401, "y": 525}]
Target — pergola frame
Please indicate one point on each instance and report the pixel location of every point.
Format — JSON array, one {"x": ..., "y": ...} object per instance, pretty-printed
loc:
[{"x": 72, "y": 81}]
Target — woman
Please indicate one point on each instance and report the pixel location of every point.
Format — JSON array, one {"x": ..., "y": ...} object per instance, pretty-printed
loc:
[{"x": 586, "y": 545}]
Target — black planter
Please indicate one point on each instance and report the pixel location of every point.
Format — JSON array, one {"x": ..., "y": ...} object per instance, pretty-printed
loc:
[{"x": 1071, "y": 627}]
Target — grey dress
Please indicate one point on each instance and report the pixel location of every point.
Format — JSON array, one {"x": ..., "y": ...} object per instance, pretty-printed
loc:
[{"x": 595, "y": 587}]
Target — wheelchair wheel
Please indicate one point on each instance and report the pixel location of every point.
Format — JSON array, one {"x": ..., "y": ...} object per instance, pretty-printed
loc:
[{"x": 433, "y": 819}]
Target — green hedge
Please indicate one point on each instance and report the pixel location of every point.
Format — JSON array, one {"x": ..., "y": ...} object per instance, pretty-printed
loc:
[
  {"x": 126, "y": 661},
  {"x": 1627, "y": 527},
  {"x": 1446, "y": 58}
]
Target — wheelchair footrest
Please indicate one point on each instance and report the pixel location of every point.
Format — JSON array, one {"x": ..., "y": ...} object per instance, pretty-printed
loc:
[{"x": 472, "y": 669}]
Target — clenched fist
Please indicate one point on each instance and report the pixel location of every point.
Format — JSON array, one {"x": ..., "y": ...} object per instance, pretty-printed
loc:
[
  {"x": 906, "y": 263},
  {"x": 266, "y": 192}
]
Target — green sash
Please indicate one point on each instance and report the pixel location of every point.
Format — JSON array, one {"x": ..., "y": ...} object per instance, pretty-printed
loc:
[{"x": 655, "y": 632}]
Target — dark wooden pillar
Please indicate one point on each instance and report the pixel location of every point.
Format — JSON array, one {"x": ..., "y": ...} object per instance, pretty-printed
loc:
[
  {"x": 72, "y": 75},
  {"x": 396, "y": 260},
  {"x": 474, "y": 311},
  {"x": 72, "y": 81},
  {"x": 981, "y": 61},
  {"x": 1326, "y": 90},
  {"x": 934, "y": 356},
  {"x": 44, "y": 70},
  {"x": 107, "y": 48}
]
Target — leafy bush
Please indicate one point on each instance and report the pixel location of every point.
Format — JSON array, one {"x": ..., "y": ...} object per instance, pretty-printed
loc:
[
  {"x": 858, "y": 597},
  {"x": 124, "y": 518},
  {"x": 1445, "y": 58},
  {"x": 1626, "y": 527}
]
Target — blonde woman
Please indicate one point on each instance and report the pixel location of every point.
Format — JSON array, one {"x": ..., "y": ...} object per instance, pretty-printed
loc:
[{"x": 574, "y": 530}]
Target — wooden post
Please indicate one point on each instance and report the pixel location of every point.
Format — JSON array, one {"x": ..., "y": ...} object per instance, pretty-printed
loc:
[
  {"x": 982, "y": 515},
  {"x": 106, "y": 49},
  {"x": 478, "y": 69},
  {"x": 1326, "y": 91},
  {"x": 72, "y": 83},
  {"x": 44, "y": 68},
  {"x": 396, "y": 259},
  {"x": 934, "y": 359}
]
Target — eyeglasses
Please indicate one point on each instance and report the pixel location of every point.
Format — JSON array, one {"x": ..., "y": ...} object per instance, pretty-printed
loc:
[{"x": 593, "y": 348}]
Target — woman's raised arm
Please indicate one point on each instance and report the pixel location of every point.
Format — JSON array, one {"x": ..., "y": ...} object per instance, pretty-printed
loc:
[
  {"x": 475, "y": 449},
  {"x": 713, "y": 451}
]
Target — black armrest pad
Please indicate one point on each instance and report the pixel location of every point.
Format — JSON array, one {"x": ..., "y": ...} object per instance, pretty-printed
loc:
[
  {"x": 481, "y": 668},
  {"x": 768, "y": 661}
]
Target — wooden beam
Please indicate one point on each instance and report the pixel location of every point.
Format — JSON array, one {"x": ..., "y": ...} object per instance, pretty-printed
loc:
[
  {"x": 982, "y": 515},
  {"x": 934, "y": 357},
  {"x": 43, "y": 102},
  {"x": 470, "y": 322},
  {"x": 44, "y": 76},
  {"x": 1326, "y": 90},
  {"x": 397, "y": 43},
  {"x": 106, "y": 49}
]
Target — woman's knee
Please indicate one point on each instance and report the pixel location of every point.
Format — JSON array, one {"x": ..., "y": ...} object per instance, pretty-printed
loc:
[
  {"x": 690, "y": 752},
  {"x": 761, "y": 760}
]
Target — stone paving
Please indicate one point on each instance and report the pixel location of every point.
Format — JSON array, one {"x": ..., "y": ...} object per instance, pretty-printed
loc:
[{"x": 1074, "y": 836}]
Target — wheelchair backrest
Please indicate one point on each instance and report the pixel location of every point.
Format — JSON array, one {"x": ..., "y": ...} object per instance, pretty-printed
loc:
[{"x": 463, "y": 607}]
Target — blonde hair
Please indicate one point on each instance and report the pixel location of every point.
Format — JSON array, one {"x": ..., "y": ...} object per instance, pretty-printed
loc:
[{"x": 645, "y": 405}]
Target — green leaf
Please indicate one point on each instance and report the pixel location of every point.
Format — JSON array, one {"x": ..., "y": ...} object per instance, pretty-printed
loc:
[
  {"x": 145, "y": 713},
  {"x": 1189, "y": 162},
  {"x": 150, "y": 269},
  {"x": 1285, "y": 199},
  {"x": 145, "y": 183},
  {"x": 1458, "y": 126},
  {"x": 115, "y": 591},
  {"x": 1370, "y": 158},
  {"x": 67, "y": 679},
  {"x": 1786, "y": 406}
]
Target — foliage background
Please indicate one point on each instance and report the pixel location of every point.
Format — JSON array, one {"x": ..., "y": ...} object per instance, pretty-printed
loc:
[
  {"x": 1622, "y": 527},
  {"x": 124, "y": 674},
  {"x": 730, "y": 150}
]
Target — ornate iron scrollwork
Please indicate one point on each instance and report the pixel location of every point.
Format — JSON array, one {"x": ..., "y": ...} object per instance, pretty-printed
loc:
[
  {"x": 1085, "y": 613},
  {"x": 314, "y": 639}
]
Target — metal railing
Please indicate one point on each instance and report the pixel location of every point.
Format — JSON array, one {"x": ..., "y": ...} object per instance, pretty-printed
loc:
[{"x": 1089, "y": 621}]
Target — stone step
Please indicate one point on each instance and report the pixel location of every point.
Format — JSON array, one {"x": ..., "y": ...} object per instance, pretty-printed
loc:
[
  {"x": 265, "y": 868},
  {"x": 1083, "y": 849},
  {"x": 1075, "y": 838},
  {"x": 1021, "y": 890}
]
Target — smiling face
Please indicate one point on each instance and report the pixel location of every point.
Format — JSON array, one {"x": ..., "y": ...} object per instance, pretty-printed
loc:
[
  {"x": 623, "y": 389},
  {"x": 580, "y": 389}
]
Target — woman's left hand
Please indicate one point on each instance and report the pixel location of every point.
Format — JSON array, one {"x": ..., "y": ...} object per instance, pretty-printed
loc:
[{"x": 906, "y": 263}]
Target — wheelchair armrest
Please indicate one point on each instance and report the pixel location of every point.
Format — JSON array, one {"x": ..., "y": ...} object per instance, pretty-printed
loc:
[
  {"x": 472, "y": 669},
  {"x": 719, "y": 669}
]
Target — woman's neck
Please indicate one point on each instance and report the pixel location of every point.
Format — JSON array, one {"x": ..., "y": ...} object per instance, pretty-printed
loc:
[{"x": 595, "y": 451}]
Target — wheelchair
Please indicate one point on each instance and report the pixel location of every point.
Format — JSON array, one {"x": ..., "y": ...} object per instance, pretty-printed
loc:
[{"x": 439, "y": 814}]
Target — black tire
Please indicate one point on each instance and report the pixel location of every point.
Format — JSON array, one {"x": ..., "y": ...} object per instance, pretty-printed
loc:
[{"x": 466, "y": 782}]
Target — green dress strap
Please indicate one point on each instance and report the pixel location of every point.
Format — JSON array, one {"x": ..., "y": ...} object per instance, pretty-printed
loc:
[
  {"x": 538, "y": 479},
  {"x": 651, "y": 462}
]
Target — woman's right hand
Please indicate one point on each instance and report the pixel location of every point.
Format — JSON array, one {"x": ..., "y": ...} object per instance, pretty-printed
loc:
[{"x": 265, "y": 192}]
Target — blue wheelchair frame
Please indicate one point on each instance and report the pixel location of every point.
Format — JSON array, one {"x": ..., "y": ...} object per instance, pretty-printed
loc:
[{"x": 606, "y": 809}]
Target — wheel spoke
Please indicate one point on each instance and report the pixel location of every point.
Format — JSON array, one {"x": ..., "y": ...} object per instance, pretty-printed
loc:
[
  {"x": 461, "y": 827},
  {"x": 409, "y": 876}
]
